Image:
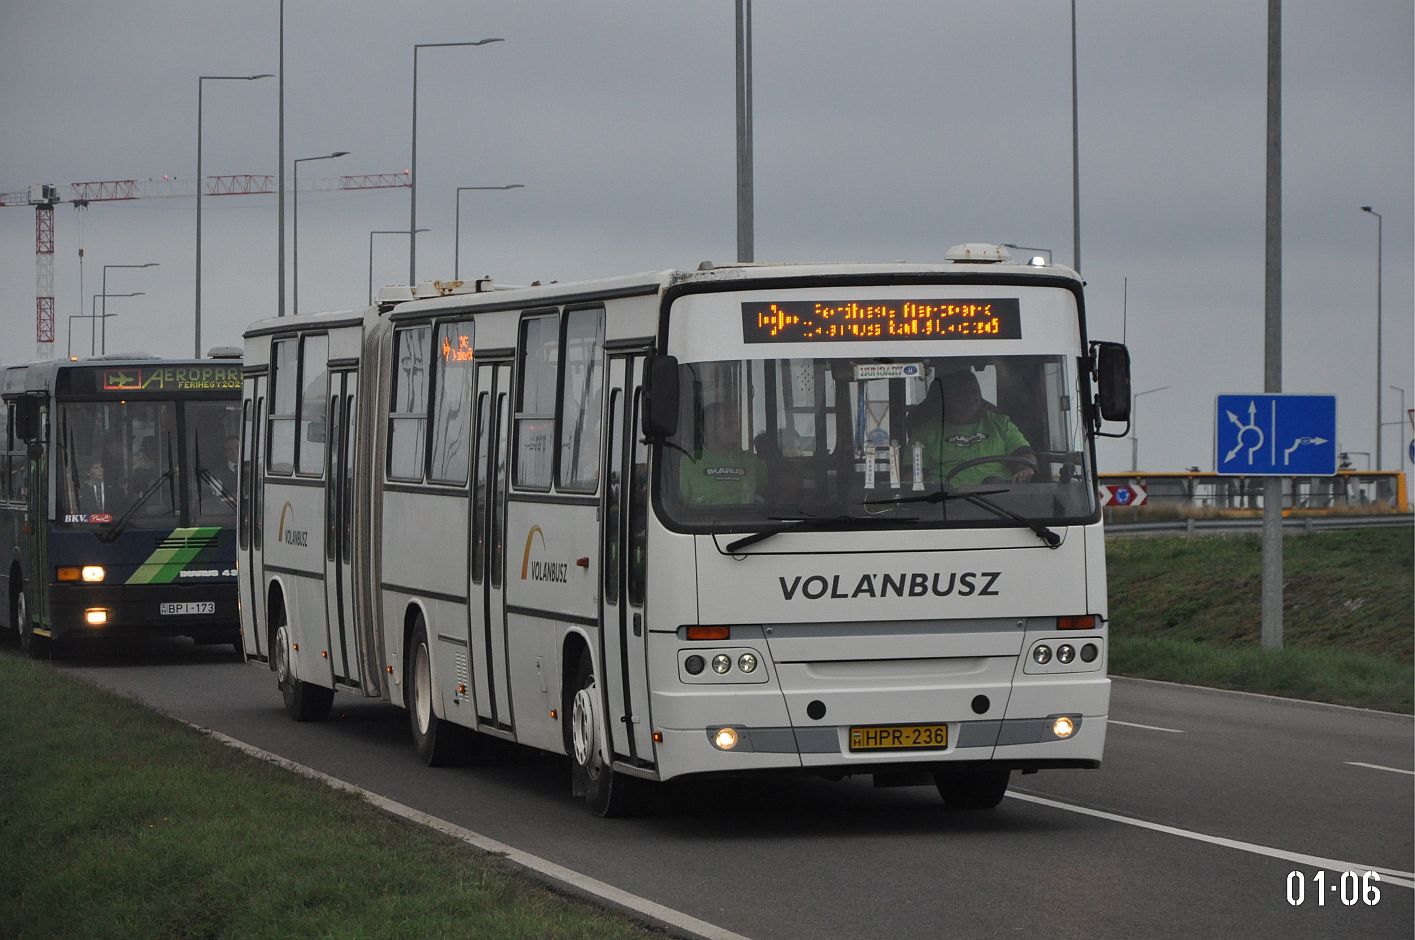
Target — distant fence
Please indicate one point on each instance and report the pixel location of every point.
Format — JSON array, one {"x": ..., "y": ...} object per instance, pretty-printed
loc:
[{"x": 1210, "y": 496}]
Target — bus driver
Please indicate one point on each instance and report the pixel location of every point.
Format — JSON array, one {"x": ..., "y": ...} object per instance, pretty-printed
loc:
[{"x": 954, "y": 427}]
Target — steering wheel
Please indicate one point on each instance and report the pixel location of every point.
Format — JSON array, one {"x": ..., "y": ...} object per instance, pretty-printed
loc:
[{"x": 1006, "y": 459}]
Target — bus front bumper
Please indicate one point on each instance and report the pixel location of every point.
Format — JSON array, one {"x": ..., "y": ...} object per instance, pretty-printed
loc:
[{"x": 205, "y": 611}]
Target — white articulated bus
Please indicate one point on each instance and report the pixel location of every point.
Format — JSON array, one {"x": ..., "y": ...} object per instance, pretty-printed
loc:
[{"x": 832, "y": 518}]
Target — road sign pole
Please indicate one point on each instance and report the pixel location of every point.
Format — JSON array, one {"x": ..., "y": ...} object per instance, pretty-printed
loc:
[{"x": 1272, "y": 332}]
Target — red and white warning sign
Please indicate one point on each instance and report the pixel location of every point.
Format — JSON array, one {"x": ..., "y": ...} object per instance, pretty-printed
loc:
[{"x": 1123, "y": 494}]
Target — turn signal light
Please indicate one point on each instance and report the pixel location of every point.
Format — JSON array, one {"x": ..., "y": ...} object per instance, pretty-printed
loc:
[
  {"x": 709, "y": 633},
  {"x": 67, "y": 574},
  {"x": 1082, "y": 622}
]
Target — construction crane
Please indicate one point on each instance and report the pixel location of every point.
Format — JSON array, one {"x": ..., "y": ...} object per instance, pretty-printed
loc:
[{"x": 45, "y": 196}]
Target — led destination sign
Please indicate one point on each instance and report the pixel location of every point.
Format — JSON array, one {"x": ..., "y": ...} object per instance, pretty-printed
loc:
[
  {"x": 804, "y": 321},
  {"x": 150, "y": 379}
]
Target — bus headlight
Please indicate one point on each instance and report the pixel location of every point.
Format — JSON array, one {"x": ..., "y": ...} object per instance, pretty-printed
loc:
[
  {"x": 725, "y": 739},
  {"x": 1041, "y": 655},
  {"x": 93, "y": 573},
  {"x": 1065, "y": 653},
  {"x": 1063, "y": 727},
  {"x": 721, "y": 663},
  {"x": 96, "y": 616},
  {"x": 747, "y": 662}
]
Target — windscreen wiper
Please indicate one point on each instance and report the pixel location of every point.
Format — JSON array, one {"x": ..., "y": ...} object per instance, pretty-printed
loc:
[
  {"x": 806, "y": 523},
  {"x": 206, "y": 476},
  {"x": 979, "y": 498},
  {"x": 122, "y": 522}
]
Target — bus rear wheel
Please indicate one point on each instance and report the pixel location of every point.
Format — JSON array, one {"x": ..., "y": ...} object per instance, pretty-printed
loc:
[
  {"x": 439, "y": 742},
  {"x": 303, "y": 701},
  {"x": 606, "y": 791},
  {"x": 977, "y": 789},
  {"x": 24, "y": 629}
]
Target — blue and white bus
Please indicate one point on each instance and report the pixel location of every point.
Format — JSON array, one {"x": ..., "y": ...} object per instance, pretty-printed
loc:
[{"x": 118, "y": 498}]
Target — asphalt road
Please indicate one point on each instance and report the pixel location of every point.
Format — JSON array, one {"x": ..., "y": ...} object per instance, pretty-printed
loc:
[{"x": 800, "y": 857}]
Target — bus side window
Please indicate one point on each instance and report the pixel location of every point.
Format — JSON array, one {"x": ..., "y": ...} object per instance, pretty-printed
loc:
[
  {"x": 452, "y": 403},
  {"x": 280, "y": 451},
  {"x": 535, "y": 401},
  {"x": 581, "y": 397},
  {"x": 407, "y": 421}
]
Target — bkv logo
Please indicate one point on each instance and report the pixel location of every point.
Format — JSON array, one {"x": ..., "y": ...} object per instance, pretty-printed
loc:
[
  {"x": 554, "y": 572},
  {"x": 286, "y": 532}
]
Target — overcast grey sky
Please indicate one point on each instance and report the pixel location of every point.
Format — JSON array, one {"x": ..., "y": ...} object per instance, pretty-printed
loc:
[{"x": 884, "y": 130}]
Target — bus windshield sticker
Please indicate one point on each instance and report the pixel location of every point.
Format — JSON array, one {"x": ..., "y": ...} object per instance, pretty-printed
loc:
[
  {"x": 804, "y": 321},
  {"x": 866, "y": 371}
]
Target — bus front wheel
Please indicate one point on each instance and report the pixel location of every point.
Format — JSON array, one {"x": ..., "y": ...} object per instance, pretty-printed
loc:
[
  {"x": 978, "y": 789},
  {"x": 606, "y": 792},
  {"x": 303, "y": 701},
  {"x": 439, "y": 742}
]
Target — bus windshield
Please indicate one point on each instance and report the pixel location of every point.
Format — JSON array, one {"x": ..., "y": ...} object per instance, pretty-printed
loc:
[
  {"x": 151, "y": 463},
  {"x": 867, "y": 440}
]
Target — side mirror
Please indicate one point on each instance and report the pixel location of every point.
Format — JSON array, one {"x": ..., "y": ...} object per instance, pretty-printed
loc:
[
  {"x": 27, "y": 425},
  {"x": 1112, "y": 381},
  {"x": 660, "y": 401}
]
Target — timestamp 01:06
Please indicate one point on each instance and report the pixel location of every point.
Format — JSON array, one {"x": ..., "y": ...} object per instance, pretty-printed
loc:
[{"x": 1352, "y": 887}]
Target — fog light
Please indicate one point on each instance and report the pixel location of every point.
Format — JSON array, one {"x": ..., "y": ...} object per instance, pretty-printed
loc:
[
  {"x": 1065, "y": 653},
  {"x": 747, "y": 662},
  {"x": 94, "y": 573},
  {"x": 1041, "y": 655},
  {"x": 96, "y": 616},
  {"x": 1089, "y": 653},
  {"x": 694, "y": 664},
  {"x": 721, "y": 663},
  {"x": 1063, "y": 727},
  {"x": 725, "y": 739}
]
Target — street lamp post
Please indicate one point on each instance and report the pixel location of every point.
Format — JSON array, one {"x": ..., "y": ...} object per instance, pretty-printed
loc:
[
  {"x": 413, "y": 182},
  {"x": 1135, "y": 441},
  {"x": 381, "y": 231},
  {"x": 1379, "y": 385},
  {"x": 457, "y": 228},
  {"x": 95, "y": 315},
  {"x": 295, "y": 227},
  {"x": 104, "y": 295},
  {"x": 746, "y": 187},
  {"x": 82, "y": 316},
  {"x": 201, "y": 80}
]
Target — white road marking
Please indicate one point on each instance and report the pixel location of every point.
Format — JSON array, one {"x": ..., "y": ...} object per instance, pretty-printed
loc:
[
  {"x": 1131, "y": 724},
  {"x": 1405, "y": 879},
  {"x": 584, "y": 884},
  {"x": 1394, "y": 770}
]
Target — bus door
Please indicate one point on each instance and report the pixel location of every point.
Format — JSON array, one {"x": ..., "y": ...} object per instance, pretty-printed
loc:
[
  {"x": 624, "y": 634},
  {"x": 338, "y": 527},
  {"x": 487, "y": 592},
  {"x": 251, "y": 503}
]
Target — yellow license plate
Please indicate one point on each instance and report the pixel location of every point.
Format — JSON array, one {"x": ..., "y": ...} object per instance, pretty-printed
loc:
[{"x": 898, "y": 737}]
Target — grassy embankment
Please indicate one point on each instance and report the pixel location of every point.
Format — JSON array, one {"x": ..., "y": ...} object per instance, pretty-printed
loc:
[
  {"x": 1189, "y": 610},
  {"x": 118, "y": 822}
]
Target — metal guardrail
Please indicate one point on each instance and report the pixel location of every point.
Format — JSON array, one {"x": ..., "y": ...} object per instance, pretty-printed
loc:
[{"x": 1301, "y": 523}]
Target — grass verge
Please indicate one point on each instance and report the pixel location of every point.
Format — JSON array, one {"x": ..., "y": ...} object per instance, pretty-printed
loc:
[
  {"x": 1189, "y": 610},
  {"x": 118, "y": 822}
]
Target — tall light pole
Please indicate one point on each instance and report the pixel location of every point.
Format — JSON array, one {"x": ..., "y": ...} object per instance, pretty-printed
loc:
[
  {"x": 201, "y": 184},
  {"x": 382, "y": 231},
  {"x": 1271, "y": 630},
  {"x": 457, "y": 228},
  {"x": 413, "y": 183},
  {"x": 295, "y": 224},
  {"x": 1379, "y": 386},
  {"x": 104, "y": 295},
  {"x": 1075, "y": 156},
  {"x": 93, "y": 315},
  {"x": 1135, "y": 441},
  {"x": 746, "y": 236}
]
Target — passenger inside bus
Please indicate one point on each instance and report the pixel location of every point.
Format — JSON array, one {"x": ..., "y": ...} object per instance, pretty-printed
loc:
[
  {"x": 958, "y": 431},
  {"x": 719, "y": 471},
  {"x": 96, "y": 494}
]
